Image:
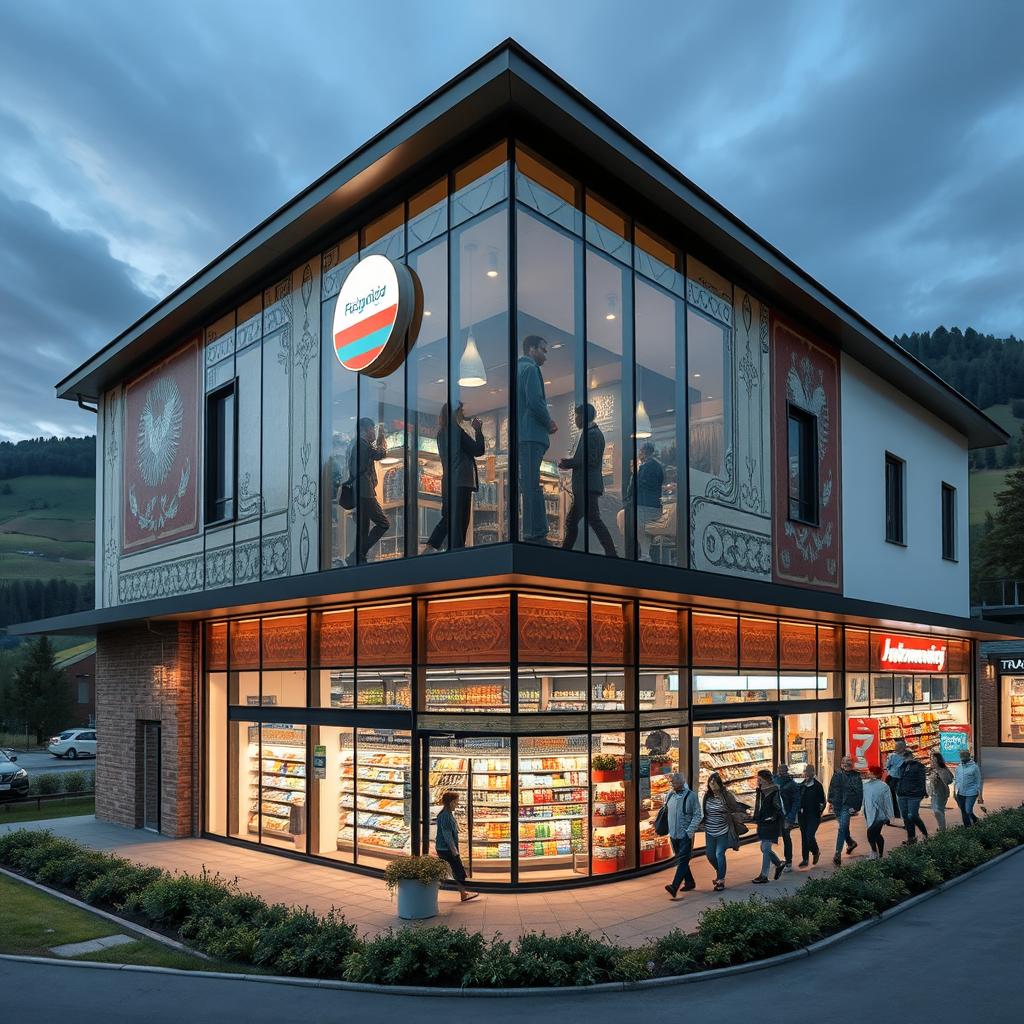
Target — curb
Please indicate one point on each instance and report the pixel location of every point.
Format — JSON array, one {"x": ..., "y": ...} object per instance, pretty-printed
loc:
[{"x": 484, "y": 993}]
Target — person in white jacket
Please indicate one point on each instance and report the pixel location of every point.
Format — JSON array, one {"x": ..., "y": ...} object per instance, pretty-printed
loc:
[
  {"x": 967, "y": 787},
  {"x": 878, "y": 810}
]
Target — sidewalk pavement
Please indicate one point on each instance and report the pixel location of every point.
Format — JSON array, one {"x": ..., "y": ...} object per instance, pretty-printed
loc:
[{"x": 628, "y": 912}]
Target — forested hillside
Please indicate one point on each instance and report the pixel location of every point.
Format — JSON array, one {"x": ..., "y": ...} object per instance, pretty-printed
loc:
[{"x": 48, "y": 456}]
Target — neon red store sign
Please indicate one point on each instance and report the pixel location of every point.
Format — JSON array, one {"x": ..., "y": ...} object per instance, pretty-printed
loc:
[{"x": 913, "y": 653}]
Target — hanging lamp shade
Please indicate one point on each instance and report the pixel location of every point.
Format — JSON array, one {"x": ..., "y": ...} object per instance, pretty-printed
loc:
[
  {"x": 472, "y": 373},
  {"x": 643, "y": 421}
]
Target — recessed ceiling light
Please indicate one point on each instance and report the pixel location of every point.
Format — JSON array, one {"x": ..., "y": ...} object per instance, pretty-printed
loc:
[
  {"x": 427, "y": 312},
  {"x": 440, "y": 380},
  {"x": 696, "y": 375},
  {"x": 558, "y": 345}
]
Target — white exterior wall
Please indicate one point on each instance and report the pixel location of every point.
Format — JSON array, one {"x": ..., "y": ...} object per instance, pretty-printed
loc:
[{"x": 878, "y": 419}]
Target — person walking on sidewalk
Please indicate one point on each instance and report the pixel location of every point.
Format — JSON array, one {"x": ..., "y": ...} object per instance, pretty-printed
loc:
[
  {"x": 940, "y": 778},
  {"x": 446, "y": 844},
  {"x": 789, "y": 792},
  {"x": 878, "y": 810},
  {"x": 769, "y": 814},
  {"x": 893, "y": 769},
  {"x": 967, "y": 787},
  {"x": 845, "y": 797},
  {"x": 911, "y": 790},
  {"x": 684, "y": 816},
  {"x": 723, "y": 825},
  {"x": 810, "y": 807}
]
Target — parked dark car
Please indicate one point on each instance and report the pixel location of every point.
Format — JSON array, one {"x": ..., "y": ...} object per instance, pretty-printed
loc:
[{"x": 13, "y": 780}]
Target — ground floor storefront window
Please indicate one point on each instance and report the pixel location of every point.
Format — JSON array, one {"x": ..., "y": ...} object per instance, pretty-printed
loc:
[{"x": 1011, "y": 710}]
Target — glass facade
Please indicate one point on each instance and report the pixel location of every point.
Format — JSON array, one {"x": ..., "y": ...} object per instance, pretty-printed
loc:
[{"x": 557, "y": 717}]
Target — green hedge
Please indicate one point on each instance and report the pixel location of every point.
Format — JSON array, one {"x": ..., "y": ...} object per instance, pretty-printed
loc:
[
  {"x": 212, "y": 915},
  {"x": 80, "y": 780}
]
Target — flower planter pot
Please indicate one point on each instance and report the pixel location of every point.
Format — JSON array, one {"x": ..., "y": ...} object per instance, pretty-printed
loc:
[
  {"x": 608, "y": 775},
  {"x": 606, "y": 866},
  {"x": 416, "y": 900},
  {"x": 647, "y": 856}
]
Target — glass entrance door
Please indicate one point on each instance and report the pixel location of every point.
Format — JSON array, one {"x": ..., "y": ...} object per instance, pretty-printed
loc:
[{"x": 151, "y": 776}]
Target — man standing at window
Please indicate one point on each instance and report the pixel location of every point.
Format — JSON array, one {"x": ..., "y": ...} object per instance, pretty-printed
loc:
[
  {"x": 362, "y": 471},
  {"x": 646, "y": 483},
  {"x": 585, "y": 495},
  {"x": 535, "y": 428}
]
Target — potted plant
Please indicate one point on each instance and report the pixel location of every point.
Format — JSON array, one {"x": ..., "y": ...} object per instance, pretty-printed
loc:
[
  {"x": 606, "y": 768},
  {"x": 417, "y": 880}
]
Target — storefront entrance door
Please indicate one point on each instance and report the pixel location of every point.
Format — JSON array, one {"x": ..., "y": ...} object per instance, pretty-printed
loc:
[{"x": 151, "y": 776}]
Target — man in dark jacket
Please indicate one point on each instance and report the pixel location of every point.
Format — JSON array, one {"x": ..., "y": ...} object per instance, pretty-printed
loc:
[
  {"x": 845, "y": 797},
  {"x": 911, "y": 788},
  {"x": 535, "y": 427},
  {"x": 586, "y": 494},
  {"x": 362, "y": 471},
  {"x": 810, "y": 807},
  {"x": 789, "y": 793},
  {"x": 645, "y": 486},
  {"x": 458, "y": 472}
]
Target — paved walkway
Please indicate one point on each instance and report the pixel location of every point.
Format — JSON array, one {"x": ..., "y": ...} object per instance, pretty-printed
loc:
[
  {"x": 958, "y": 957},
  {"x": 628, "y": 912}
]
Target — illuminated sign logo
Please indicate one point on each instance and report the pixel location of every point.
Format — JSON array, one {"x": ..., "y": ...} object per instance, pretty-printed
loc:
[
  {"x": 898, "y": 653},
  {"x": 1011, "y": 665},
  {"x": 862, "y": 742},
  {"x": 375, "y": 316}
]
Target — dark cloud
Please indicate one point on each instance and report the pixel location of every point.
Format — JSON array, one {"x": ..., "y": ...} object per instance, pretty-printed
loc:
[{"x": 879, "y": 145}]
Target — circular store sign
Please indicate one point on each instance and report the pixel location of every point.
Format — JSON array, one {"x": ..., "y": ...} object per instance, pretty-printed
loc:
[{"x": 374, "y": 316}]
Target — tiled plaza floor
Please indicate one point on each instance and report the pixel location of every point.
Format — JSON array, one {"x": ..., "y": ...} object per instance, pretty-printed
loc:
[{"x": 629, "y": 911}]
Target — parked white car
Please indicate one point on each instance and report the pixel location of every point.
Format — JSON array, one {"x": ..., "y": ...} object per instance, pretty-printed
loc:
[{"x": 73, "y": 743}]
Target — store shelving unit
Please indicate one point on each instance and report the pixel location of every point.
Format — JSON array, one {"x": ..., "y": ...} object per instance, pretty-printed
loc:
[
  {"x": 737, "y": 757},
  {"x": 380, "y": 813},
  {"x": 1015, "y": 697},
  {"x": 277, "y": 783},
  {"x": 919, "y": 728}
]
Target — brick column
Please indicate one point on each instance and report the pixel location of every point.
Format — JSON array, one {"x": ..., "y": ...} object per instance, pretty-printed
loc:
[
  {"x": 145, "y": 674},
  {"x": 988, "y": 696}
]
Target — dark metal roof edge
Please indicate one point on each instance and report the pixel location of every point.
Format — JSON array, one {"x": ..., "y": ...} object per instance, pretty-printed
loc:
[
  {"x": 510, "y": 56},
  {"x": 512, "y": 565}
]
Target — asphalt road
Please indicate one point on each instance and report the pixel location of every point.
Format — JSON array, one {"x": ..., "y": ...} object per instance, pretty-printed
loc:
[
  {"x": 956, "y": 956},
  {"x": 36, "y": 763}
]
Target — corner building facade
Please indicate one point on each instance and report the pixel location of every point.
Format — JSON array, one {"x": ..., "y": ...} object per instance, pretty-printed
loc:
[{"x": 635, "y": 495}]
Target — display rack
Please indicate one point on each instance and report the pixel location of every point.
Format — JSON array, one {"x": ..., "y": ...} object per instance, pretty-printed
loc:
[
  {"x": 374, "y": 801},
  {"x": 1015, "y": 695},
  {"x": 277, "y": 783},
  {"x": 919, "y": 728},
  {"x": 737, "y": 757}
]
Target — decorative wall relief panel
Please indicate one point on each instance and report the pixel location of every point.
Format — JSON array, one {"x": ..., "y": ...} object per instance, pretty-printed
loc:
[
  {"x": 165, "y": 579},
  {"x": 249, "y": 371},
  {"x": 161, "y": 462},
  {"x": 468, "y": 630},
  {"x": 108, "y": 521},
  {"x": 275, "y": 419},
  {"x": 730, "y": 433},
  {"x": 806, "y": 374}
]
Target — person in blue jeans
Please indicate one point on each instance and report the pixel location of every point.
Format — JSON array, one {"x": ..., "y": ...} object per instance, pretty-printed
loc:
[
  {"x": 911, "y": 790},
  {"x": 789, "y": 792},
  {"x": 967, "y": 787},
  {"x": 535, "y": 427},
  {"x": 684, "y": 816},
  {"x": 845, "y": 798},
  {"x": 722, "y": 814}
]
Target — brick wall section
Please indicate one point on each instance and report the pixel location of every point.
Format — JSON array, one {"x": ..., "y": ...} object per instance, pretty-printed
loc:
[
  {"x": 144, "y": 675},
  {"x": 988, "y": 715}
]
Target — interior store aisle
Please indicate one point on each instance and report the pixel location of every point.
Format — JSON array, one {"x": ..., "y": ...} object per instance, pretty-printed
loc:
[{"x": 627, "y": 912}]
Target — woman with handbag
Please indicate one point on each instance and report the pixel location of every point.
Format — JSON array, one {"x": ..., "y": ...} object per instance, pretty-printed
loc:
[
  {"x": 723, "y": 825},
  {"x": 878, "y": 810},
  {"x": 940, "y": 778},
  {"x": 769, "y": 814}
]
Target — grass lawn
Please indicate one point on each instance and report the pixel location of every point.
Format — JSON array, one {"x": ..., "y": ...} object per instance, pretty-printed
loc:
[
  {"x": 70, "y": 807},
  {"x": 34, "y": 922}
]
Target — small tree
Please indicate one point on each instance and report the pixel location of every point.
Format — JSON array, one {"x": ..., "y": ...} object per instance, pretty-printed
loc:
[
  {"x": 1001, "y": 551},
  {"x": 41, "y": 697}
]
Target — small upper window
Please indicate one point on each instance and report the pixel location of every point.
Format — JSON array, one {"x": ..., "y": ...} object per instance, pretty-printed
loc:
[
  {"x": 949, "y": 522},
  {"x": 802, "y": 454},
  {"x": 220, "y": 455},
  {"x": 895, "y": 504}
]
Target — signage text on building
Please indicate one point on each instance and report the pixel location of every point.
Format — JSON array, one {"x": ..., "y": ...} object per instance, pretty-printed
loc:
[{"x": 916, "y": 654}]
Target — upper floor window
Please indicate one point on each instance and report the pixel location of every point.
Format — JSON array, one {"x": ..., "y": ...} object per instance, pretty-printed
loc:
[
  {"x": 949, "y": 522},
  {"x": 895, "y": 504},
  {"x": 802, "y": 456},
  {"x": 221, "y": 442}
]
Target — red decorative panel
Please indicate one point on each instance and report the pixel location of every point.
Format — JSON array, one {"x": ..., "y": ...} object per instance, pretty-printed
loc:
[
  {"x": 959, "y": 655},
  {"x": 830, "y": 640},
  {"x": 797, "y": 645},
  {"x": 334, "y": 638},
  {"x": 216, "y": 646},
  {"x": 161, "y": 451},
  {"x": 245, "y": 644},
  {"x": 468, "y": 629},
  {"x": 856, "y": 650},
  {"x": 552, "y": 629},
  {"x": 385, "y": 635},
  {"x": 806, "y": 375},
  {"x": 662, "y": 635},
  {"x": 714, "y": 640},
  {"x": 284, "y": 642},
  {"x": 611, "y": 628},
  {"x": 758, "y": 648}
]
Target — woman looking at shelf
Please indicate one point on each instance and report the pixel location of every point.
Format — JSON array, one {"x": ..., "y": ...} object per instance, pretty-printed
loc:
[
  {"x": 723, "y": 820},
  {"x": 446, "y": 844}
]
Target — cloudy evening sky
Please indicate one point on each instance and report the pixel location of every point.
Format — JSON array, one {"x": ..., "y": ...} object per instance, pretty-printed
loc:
[{"x": 880, "y": 145}]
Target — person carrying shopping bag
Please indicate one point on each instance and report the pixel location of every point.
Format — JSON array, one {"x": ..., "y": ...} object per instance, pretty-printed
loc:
[
  {"x": 684, "y": 818},
  {"x": 723, "y": 825},
  {"x": 769, "y": 814},
  {"x": 940, "y": 778}
]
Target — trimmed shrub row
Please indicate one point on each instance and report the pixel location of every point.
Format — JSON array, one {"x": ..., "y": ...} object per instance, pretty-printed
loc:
[
  {"x": 82, "y": 780},
  {"x": 212, "y": 915}
]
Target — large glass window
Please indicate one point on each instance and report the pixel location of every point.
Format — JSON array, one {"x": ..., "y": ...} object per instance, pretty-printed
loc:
[
  {"x": 1012, "y": 709},
  {"x": 662, "y": 752},
  {"x": 802, "y": 462},
  {"x": 332, "y": 792},
  {"x": 613, "y": 802},
  {"x": 221, "y": 440},
  {"x": 379, "y": 803},
  {"x": 708, "y": 375}
]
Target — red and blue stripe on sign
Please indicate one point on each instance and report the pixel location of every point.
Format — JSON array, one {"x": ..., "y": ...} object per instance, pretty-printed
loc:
[{"x": 359, "y": 345}]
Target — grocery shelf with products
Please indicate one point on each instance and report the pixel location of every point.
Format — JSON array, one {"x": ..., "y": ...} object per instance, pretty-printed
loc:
[
  {"x": 737, "y": 751},
  {"x": 277, "y": 783},
  {"x": 919, "y": 728},
  {"x": 375, "y": 812},
  {"x": 1013, "y": 709}
]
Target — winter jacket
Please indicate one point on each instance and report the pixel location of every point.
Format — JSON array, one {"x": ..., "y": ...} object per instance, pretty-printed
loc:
[
  {"x": 812, "y": 800},
  {"x": 846, "y": 791},
  {"x": 769, "y": 813},
  {"x": 684, "y": 813},
  {"x": 877, "y": 802},
  {"x": 967, "y": 779},
  {"x": 736, "y": 813},
  {"x": 594, "y": 456},
  {"x": 894, "y": 765},
  {"x": 911, "y": 783},
  {"x": 939, "y": 781},
  {"x": 789, "y": 791}
]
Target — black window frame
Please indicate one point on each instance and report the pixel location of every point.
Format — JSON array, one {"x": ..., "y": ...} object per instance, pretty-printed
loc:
[
  {"x": 895, "y": 500},
  {"x": 807, "y": 506},
  {"x": 212, "y": 516},
  {"x": 947, "y": 512}
]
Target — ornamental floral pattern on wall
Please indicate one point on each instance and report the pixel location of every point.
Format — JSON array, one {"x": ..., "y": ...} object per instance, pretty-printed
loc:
[{"x": 161, "y": 452}]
